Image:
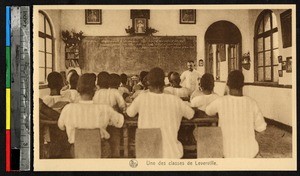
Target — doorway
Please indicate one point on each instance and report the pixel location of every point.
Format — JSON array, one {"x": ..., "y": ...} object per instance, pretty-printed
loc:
[{"x": 223, "y": 49}]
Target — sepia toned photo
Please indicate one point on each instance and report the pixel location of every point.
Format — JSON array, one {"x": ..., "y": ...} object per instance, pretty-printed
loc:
[{"x": 208, "y": 96}]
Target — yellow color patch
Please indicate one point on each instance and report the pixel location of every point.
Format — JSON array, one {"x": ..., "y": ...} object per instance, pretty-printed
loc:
[{"x": 8, "y": 109}]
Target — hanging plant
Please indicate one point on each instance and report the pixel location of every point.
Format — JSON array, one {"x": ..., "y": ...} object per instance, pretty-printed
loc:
[{"x": 72, "y": 38}]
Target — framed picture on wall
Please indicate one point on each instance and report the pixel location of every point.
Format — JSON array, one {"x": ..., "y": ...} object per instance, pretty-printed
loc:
[
  {"x": 187, "y": 16},
  {"x": 279, "y": 59},
  {"x": 283, "y": 65},
  {"x": 288, "y": 66},
  {"x": 140, "y": 25},
  {"x": 93, "y": 16},
  {"x": 286, "y": 27}
]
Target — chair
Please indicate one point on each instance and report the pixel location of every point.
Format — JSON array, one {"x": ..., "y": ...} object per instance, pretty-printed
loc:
[
  {"x": 148, "y": 143},
  {"x": 87, "y": 143},
  {"x": 209, "y": 142}
]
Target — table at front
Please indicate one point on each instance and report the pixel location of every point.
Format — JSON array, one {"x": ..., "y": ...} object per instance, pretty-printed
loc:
[{"x": 196, "y": 121}]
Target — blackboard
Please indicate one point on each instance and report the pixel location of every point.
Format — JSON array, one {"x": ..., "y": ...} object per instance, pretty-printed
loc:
[{"x": 131, "y": 55}]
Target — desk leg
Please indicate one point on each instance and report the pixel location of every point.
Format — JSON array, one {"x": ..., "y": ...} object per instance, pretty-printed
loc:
[{"x": 125, "y": 138}]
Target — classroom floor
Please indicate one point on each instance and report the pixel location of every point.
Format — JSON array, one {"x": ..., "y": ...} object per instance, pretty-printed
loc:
[{"x": 275, "y": 143}]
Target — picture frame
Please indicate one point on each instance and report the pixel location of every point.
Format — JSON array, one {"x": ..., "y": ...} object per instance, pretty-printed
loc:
[
  {"x": 279, "y": 59},
  {"x": 286, "y": 25},
  {"x": 93, "y": 16},
  {"x": 187, "y": 16},
  {"x": 140, "y": 25},
  {"x": 288, "y": 66},
  {"x": 283, "y": 65}
]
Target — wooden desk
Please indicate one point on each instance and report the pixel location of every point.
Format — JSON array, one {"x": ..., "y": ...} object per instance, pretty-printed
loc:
[{"x": 199, "y": 119}]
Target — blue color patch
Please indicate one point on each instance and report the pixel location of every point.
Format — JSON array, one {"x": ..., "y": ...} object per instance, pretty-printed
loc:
[{"x": 7, "y": 25}]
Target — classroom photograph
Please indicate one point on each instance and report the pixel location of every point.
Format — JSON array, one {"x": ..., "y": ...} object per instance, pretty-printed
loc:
[{"x": 168, "y": 83}]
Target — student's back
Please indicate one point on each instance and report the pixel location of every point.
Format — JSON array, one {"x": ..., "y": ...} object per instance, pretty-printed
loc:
[
  {"x": 207, "y": 94},
  {"x": 202, "y": 101},
  {"x": 50, "y": 100},
  {"x": 175, "y": 88},
  {"x": 179, "y": 92},
  {"x": 111, "y": 97},
  {"x": 86, "y": 115},
  {"x": 160, "y": 110},
  {"x": 238, "y": 118}
]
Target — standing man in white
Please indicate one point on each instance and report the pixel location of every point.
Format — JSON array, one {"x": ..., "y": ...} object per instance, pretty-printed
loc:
[{"x": 190, "y": 77}]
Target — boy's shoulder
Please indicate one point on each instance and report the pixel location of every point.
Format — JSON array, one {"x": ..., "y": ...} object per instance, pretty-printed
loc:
[
  {"x": 244, "y": 97},
  {"x": 171, "y": 97}
]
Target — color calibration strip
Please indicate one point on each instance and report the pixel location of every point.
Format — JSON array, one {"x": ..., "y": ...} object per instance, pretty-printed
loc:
[{"x": 8, "y": 87}]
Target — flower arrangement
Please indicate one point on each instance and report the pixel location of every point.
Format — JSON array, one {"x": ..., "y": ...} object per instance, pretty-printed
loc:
[{"x": 72, "y": 38}]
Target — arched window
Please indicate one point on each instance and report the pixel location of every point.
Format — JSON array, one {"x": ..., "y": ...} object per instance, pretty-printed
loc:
[
  {"x": 266, "y": 47},
  {"x": 46, "y": 49}
]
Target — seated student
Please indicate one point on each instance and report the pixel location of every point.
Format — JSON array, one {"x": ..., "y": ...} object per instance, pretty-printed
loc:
[
  {"x": 196, "y": 93},
  {"x": 124, "y": 87},
  {"x": 114, "y": 81},
  {"x": 112, "y": 97},
  {"x": 87, "y": 115},
  {"x": 106, "y": 95},
  {"x": 169, "y": 79},
  {"x": 176, "y": 89},
  {"x": 145, "y": 89},
  {"x": 140, "y": 85},
  {"x": 72, "y": 93},
  {"x": 67, "y": 83},
  {"x": 59, "y": 144},
  {"x": 54, "y": 100},
  {"x": 239, "y": 117},
  {"x": 208, "y": 96},
  {"x": 159, "y": 110},
  {"x": 55, "y": 83}
]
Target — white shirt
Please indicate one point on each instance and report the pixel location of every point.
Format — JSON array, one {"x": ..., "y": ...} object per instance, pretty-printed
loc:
[
  {"x": 72, "y": 95},
  {"x": 123, "y": 90},
  {"x": 50, "y": 100},
  {"x": 202, "y": 101},
  {"x": 111, "y": 97},
  {"x": 179, "y": 92},
  {"x": 196, "y": 93},
  {"x": 238, "y": 118},
  {"x": 189, "y": 79},
  {"x": 163, "y": 111},
  {"x": 86, "y": 115}
]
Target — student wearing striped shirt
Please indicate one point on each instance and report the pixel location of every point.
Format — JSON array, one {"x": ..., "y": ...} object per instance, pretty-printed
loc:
[
  {"x": 207, "y": 86},
  {"x": 109, "y": 94},
  {"x": 239, "y": 118},
  {"x": 176, "y": 89},
  {"x": 159, "y": 110},
  {"x": 87, "y": 115}
]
